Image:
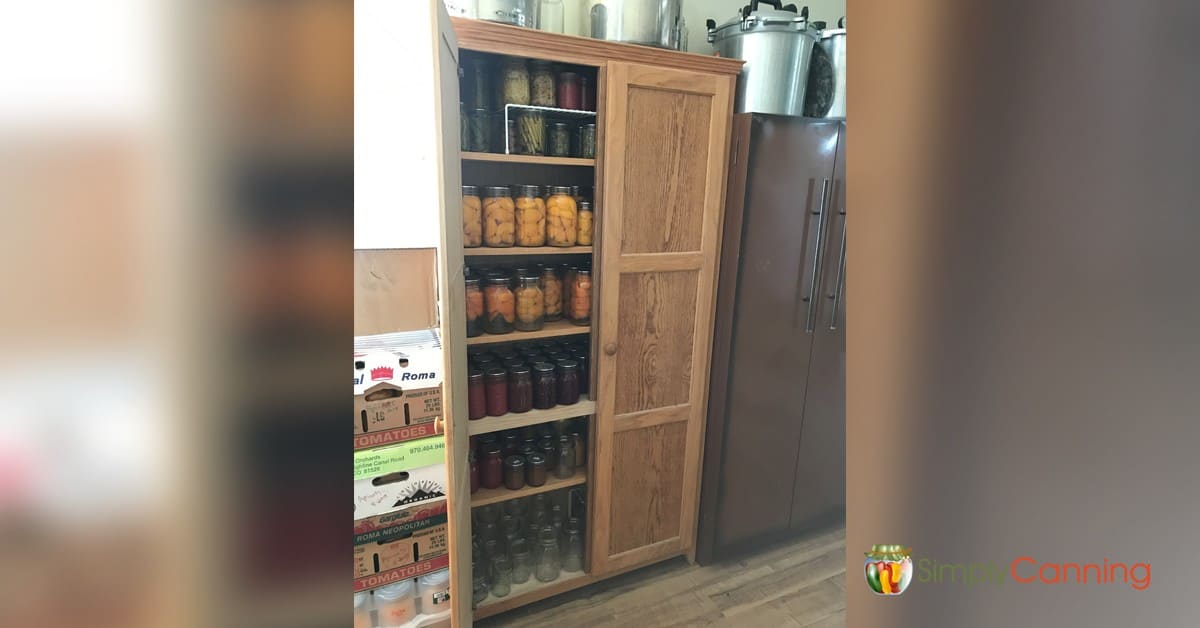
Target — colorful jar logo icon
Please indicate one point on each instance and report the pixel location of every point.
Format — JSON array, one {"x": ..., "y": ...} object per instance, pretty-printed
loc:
[{"x": 889, "y": 569}]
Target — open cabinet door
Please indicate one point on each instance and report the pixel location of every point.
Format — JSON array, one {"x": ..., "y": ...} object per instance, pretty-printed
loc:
[
  {"x": 407, "y": 185},
  {"x": 665, "y": 151}
]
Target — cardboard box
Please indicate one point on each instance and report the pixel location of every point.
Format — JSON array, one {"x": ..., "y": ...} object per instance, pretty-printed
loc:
[
  {"x": 389, "y": 479},
  {"x": 397, "y": 388},
  {"x": 406, "y": 544}
]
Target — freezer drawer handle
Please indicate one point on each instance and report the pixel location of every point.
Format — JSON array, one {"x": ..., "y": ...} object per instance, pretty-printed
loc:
[
  {"x": 817, "y": 251},
  {"x": 841, "y": 278}
]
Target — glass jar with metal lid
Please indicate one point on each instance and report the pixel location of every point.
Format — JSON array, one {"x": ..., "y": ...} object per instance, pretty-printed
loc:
[
  {"x": 542, "y": 83},
  {"x": 580, "y": 309},
  {"x": 531, "y": 309},
  {"x": 561, "y": 217},
  {"x": 499, "y": 217},
  {"x": 500, "y": 305},
  {"x": 531, "y": 133},
  {"x": 531, "y": 216},
  {"x": 559, "y": 144},
  {"x": 587, "y": 141},
  {"x": 475, "y": 315},
  {"x": 515, "y": 83},
  {"x": 551, "y": 294},
  {"x": 586, "y": 224},
  {"x": 472, "y": 209}
]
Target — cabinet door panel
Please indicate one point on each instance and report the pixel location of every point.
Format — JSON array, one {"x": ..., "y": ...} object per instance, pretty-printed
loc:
[
  {"x": 820, "y": 488},
  {"x": 664, "y": 156}
]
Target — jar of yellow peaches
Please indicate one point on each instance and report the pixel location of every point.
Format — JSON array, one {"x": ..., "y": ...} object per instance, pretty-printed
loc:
[
  {"x": 472, "y": 217},
  {"x": 499, "y": 305},
  {"x": 499, "y": 221},
  {"x": 552, "y": 293},
  {"x": 531, "y": 308},
  {"x": 475, "y": 317},
  {"x": 531, "y": 217},
  {"x": 586, "y": 224},
  {"x": 561, "y": 217},
  {"x": 579, "y": 311}
]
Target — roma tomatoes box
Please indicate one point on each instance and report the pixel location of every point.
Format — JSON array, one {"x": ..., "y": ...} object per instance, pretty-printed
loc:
[
  {"x": 405, "y": 544},
  {"x": 396, "y": 477},
  {"x": 397, "y": 388}
]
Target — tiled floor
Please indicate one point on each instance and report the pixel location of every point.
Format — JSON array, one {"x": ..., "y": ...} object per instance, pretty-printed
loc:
[{"x": 800, "y": 583}]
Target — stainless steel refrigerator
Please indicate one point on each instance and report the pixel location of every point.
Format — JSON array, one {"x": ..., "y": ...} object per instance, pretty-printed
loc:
[{"x": 775, "y": 441}]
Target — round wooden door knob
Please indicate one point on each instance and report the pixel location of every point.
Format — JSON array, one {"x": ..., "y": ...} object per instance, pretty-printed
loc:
[{"x": 610, "y": 348}]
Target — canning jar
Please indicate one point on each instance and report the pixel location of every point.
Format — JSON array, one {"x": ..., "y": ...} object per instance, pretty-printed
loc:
[
  {"x": 541, "y": 84},
  {"x": 566, "y": 457},
  {"x": 545, "y": 388},
  {"x": 551, "y": 295},
  {"x": 572, "y": 551},
  {"x": 472, "y": 209},
  {"x": 522, "y": 560},
  {"x": 476, "y": 398},
  {"x": 580, "y": 310},
  {"x": 499, "y": 219},
  {"x": 479, "y": 128},
  {"x": 568, "y": 90},
  {"x": 475, "y": 83},
  {"x": 561, "y": 217},
  {"x": 535, "y": 469},
  {"x": 516, "y": 82},
  {"x": 531, "y": 216},
  {"x": 559, "y": 144},
  {"x": 531, "y": 309},
  {"x": 496, "y": 384},
  {"x": 491, "y": 472},
  {"x": 396, "y": 603},
  {"x": 568, "y": 382},
  {"x": 501, "y": 576},
  {"x": 464, "y": 130},
  {"x": 549, "y": 449},
  {"x": 531, "y": 133},
  {"x": 587, "y": 94},
  {"x": 509, "y": 444},
  {"x": 580, "y": 441},
  {"x": 500, "y": 305},
  {"x": 475, "y": 315},
  {"x": 581, "y": 356},
  {"x": 549, "y": 563},
  {"x": 520, "y": 393},
  {"x": 479, "y": 588},
  {"x": 474, "y": 465},
  {"x": 510, "y": 137},
  {"x": 514, "y": 473},
  {"x": 587, "y": 141},
  {"x": 586, "y": 224}
]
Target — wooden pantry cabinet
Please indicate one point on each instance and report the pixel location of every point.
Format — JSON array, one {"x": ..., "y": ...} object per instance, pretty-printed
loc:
[{"x": 663, "y": 126}]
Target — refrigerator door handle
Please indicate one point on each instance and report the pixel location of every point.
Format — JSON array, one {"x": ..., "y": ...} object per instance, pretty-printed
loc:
[
  {"x": 841, "y": 278},
  {"x": 818, "y": 250}
]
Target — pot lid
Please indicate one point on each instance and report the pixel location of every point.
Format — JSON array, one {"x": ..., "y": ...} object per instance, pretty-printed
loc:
[
  {"x": 833, "y": 32},
  {"x": 762, "y": 15}
]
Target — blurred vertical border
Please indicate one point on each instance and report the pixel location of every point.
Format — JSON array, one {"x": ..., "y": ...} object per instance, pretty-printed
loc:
[{"x": 177, "y": 183}]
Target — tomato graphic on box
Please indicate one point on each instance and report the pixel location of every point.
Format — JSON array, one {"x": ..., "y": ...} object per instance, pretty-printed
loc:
[{"x": 889, "y": 569}]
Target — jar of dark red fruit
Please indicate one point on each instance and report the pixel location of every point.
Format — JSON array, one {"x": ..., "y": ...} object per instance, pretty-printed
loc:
[
  {"x": 476, "y": 399},
  {"x": 545, "y": 387},
  {"x": 568, "y": 382},
  {"x": 496, "y": 385}
]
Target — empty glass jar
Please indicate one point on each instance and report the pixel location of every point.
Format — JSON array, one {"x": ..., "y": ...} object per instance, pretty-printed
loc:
[
  {"x": 522, "y": 561},
  {"x": 549, "y": 561},
  {"x": 501, "y": 576}
]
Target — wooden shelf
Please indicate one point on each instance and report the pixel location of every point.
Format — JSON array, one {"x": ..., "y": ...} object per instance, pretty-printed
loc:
[
  {"x": 550, "y": 330},
  {"x": 533, "y": 417},
  {"x": 531, "y": 591},
  {"x": 511, "y": 251},
  {"x": 528, "y": 159},
  {"x": 487, "y": 496}
]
